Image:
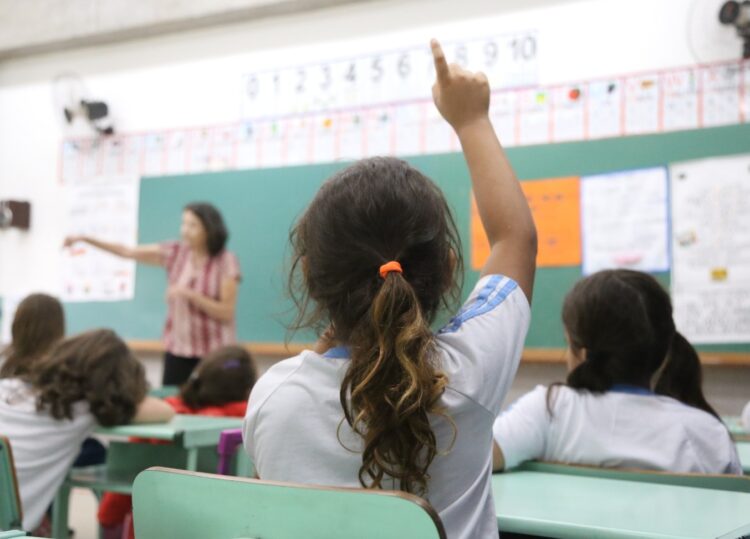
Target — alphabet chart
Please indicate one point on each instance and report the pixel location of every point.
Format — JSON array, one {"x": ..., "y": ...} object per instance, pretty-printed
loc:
[{"x": 380, "y": 104}]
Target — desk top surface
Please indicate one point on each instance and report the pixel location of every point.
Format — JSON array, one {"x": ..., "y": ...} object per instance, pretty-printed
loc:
[
  {"x": 573, "y": 507},
  {"x": 189, "y": 430},
  {"x": 735, "y": 426},
  {"x": 743, "y": 449}
]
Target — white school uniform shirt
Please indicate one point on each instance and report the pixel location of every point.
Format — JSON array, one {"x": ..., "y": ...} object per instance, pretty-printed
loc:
[
  {"x": 626, "y": 427},
  {"x": 294, "y": 412},
  {"x": 43, "y": 448},
  {"x": 746, "y": 416}
]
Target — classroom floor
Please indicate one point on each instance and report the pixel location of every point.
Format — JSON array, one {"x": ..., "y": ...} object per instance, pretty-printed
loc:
[{"x": 82, "y": 519}]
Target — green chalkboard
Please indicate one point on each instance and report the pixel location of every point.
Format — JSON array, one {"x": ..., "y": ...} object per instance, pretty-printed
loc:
[{"x": 261, "y": 205}]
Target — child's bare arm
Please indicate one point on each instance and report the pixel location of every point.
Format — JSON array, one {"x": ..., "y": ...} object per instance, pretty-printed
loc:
[
  {"x": 153, "y": 410},
  {"x": 463, "y": 98}
]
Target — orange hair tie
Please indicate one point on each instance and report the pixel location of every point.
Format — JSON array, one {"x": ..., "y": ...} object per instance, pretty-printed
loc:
[{"x": 388, "y": 267}]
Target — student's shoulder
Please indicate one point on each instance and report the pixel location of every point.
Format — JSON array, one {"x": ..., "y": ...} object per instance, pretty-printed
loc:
[
  {"x": 491, "y": 294},
  {"x": 698, "y": 423},
  {"x": 275, "y": 377}
]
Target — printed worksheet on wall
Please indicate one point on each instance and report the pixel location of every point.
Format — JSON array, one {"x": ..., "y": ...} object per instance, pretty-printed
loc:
[
  {"x": 624, "y": 221},
  {"x": 680, "y": 99},
  {"x": 605, "y": 108},
  {"x": 106, "y": 209},
  {"x": 711, "y": 249}
]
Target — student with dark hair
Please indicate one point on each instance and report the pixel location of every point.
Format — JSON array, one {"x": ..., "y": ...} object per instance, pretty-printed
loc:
[
  {"x": 39, "y": 322},
  {"x": 219, "y": 386},
  {"x": 88, "y": 380},
  {"x": 383, "y": 402},
  {"x": 203, "y": 278},
  {"x": 633, "y": 396}
]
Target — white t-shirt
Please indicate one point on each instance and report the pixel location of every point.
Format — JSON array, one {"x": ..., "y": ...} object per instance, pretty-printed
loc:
[
  {"x": 290, "y": 430},
  {"x": 746, "y": 416},
  {"x": 43, "y": 448},
  {"x": 624, "y": 428}
]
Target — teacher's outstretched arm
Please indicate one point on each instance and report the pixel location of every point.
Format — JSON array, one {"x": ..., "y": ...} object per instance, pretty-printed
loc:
[{"x": 146, "y": 254}]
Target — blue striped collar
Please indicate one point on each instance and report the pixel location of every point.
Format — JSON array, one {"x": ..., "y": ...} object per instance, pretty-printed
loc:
[
  {"x": 633, "y": 390},
  {"x": 338, "y": 352}
]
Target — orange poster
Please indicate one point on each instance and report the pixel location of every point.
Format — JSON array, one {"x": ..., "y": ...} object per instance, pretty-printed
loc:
[{"x": 555, "y": 205}]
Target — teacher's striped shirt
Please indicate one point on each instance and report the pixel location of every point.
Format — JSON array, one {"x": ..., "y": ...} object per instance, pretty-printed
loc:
[{"x": 189, "y": 331}]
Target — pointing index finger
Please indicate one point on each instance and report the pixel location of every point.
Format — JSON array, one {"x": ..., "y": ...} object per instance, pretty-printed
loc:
[{"x": 441, "y": 64}]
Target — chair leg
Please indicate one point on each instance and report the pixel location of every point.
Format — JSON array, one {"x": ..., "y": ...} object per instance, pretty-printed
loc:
[{"x": 60, "y": 512}]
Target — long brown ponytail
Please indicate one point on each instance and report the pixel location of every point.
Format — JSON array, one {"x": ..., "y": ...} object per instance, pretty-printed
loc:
[
  {"x": 391, "y": 387},
  {"x": 375, "y": 211}
]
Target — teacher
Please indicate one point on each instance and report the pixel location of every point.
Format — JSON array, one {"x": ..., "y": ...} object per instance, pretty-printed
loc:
[{"x": 202, "y": 278}]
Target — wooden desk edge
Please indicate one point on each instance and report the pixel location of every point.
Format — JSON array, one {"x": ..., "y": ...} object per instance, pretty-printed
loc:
[{"x": 530, "y": 355}]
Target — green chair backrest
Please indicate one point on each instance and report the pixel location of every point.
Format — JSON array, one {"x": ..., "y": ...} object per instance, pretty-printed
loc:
[
  {"x": 11, "y": 514},
  {"x": 12, "y": 534},
  {"x": 733, "y": 483},
  {"x": 193, "y": 505}
]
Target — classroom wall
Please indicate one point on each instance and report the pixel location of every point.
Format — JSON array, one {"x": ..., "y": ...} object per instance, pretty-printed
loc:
[{"x": 193, "y": 79}]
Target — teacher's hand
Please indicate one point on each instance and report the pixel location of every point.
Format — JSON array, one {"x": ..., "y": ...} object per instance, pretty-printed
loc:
[
  {"x": 179, "y": 292},
  {"x": 71, "y": 240}
]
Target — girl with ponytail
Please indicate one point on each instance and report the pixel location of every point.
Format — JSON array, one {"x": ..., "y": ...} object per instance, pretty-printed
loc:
[
  {"x": 384, "y": 402},
  {"x": 633, "y": 396}
]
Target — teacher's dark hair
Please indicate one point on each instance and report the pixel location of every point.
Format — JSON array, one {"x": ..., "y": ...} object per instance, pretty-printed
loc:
[{"x": 213, "y": 222}]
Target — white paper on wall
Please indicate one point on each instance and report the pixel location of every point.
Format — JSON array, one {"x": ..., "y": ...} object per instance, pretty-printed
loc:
[
  {"x": 605, "y": 107},
  {"x": 108, "y": 210},
  {"x": 380, "y": 131},
  {"x": 504, "y": 116},
  {"x": 680, "y": 100},
  {"x": 642, "y": 104},
  {"x": 569, "y": 113},
  {"x": 624, "y": 221},
  {"x": 721, "y": 94},
  {"x": 535, "y": 113},
  {"x": 711, "y": 249}
]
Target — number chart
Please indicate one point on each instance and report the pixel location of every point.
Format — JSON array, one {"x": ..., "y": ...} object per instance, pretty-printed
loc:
[{"x": 384, "y": 78}]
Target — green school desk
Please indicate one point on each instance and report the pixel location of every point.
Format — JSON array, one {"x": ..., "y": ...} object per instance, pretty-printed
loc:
[
  {"x": 190, "y": 432},
  {"x": 192, "y": 441},
  {"x": 743, "y": 449},
  {"x": 739, "y": 431},
  {"x": 571, "y": 507}
]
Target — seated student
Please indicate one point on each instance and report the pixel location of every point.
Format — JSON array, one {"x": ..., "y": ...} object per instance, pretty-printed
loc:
[
  {"x": 746, "y": 416},
  {"x": 394, "y": 406},
  {"x": 38, "y": 324},
  {"x": 219, "y": 386},
  {"x": 633, "y": 396},
  {"x": 88, "y": 380}
]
